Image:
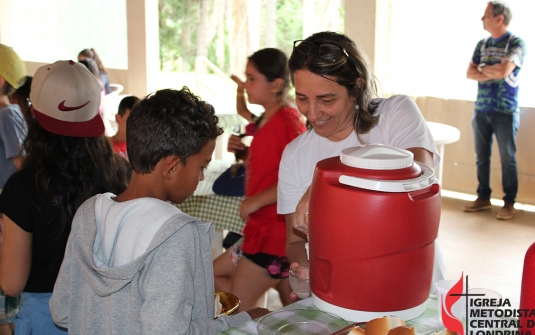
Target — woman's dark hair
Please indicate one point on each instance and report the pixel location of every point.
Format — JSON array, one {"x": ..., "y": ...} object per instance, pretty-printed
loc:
[
  {"x": 91, "y": 65},
  {"x": 87, "y": 53},
  {"x": 272, "y": 63},
  {"x": 92, "y": 54},
  {"x": 350, "y": 69},
  {"x": 166, "y": 123},
  {"x": 70, "y": 170},
  {"x": 23, "y": 95}
]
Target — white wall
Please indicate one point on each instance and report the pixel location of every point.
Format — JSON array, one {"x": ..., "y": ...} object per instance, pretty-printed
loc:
[
  {"x": 432, "y": 43},
  {"x": 47, "y": 31}
]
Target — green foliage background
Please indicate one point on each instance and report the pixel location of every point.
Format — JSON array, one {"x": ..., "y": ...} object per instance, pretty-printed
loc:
[{"x": 178, "y": 20}]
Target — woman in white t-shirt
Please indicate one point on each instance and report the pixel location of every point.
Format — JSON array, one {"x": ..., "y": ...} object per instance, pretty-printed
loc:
[{"x": 336, "y": 91}]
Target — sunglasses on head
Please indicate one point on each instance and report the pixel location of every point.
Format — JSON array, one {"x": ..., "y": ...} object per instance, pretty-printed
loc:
[{"x": 326, "y": 51}]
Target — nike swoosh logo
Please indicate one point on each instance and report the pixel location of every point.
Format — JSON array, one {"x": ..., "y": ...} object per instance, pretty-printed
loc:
[{"x": 64, "y": 108}]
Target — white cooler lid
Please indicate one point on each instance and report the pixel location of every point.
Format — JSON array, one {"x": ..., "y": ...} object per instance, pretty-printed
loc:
[
  {"x": 377, "y": 157},
  {"x": 384, "y": 157}
]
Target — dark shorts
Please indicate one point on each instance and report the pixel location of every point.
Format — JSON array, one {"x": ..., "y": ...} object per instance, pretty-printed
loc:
[{"x": 277, "y": 267}]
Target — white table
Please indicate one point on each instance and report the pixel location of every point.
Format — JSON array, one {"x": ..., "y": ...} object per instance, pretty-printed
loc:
[{"x": 442, "y": 134}]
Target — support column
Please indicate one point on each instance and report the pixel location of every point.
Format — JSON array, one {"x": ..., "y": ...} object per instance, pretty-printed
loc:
[
  {"x": 367, "y": 22},
  {"x": 143, "y": 46}
]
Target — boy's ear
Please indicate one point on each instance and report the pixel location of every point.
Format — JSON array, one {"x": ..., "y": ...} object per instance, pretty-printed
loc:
[
  {"x": 169, "y": 166},
  {"x": 117, "y": 118}
]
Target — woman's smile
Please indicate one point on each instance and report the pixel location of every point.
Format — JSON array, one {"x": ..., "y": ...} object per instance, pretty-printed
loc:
[
  {"x": 327, "y": 105},
  {"x": 322, "y": 123}
]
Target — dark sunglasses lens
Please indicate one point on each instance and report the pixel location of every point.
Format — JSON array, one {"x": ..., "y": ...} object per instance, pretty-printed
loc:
[
  {"x": 329, "y": 51},
  {"x": 303, "y": 47}
]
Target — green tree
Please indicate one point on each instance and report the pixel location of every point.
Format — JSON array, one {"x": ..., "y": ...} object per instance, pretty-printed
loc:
[{"x": 225, "y": 36}]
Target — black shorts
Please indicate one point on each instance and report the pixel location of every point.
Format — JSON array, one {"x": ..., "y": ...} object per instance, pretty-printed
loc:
[{"x": 277, "y": 267}]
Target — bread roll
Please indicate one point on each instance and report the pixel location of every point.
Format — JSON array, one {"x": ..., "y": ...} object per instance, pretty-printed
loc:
[
  {"x": 356, "y": 331},
  {"x": 381, "y": 326},
  {"x": 402, "y": 330}
]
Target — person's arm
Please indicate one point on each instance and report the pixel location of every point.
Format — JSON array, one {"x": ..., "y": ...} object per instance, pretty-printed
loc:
[
  {"x": 59, "y": 302},
  {"x": 12, "y": 134},
  {"x": 422, "y": 155},
  {"x": 241, "y": 105},
  {"x": 257, "y": 201},
  {"x": 474, "y": 74},
  {"x": 18, "y": 161},
  {"x": 169, "y": 291},
  {"x": 235, "y": 144},
  {"x": 15, "y": 257},
  {"x": 295, "y": 243},
  {"x": 297, "y": 230},
  {"x": 498, "y": 71}
]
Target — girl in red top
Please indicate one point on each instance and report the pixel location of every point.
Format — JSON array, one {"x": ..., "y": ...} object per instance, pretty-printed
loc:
[{"x": 263, "y": 263}]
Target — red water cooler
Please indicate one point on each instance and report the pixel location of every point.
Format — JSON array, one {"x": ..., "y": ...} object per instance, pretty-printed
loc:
[{"x": 373, "y": 220}]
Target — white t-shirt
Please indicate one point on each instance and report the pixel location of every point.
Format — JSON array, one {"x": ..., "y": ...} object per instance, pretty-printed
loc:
[{"x": 400, "y": 125}]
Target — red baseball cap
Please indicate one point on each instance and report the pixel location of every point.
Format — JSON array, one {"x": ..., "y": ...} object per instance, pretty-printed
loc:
[{"x": 66, "y": 97}]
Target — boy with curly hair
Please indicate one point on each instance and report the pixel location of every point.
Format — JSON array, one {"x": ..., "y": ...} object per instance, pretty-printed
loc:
[{"x": 135, "y": 264}]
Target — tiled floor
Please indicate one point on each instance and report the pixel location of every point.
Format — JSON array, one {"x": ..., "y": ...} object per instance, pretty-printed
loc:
[{"x": 489, "y": 251}]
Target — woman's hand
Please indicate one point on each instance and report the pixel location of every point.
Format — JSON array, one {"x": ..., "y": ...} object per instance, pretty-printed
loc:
[
  {"x": 300, "y": 221},
  {"x": 293, "y": 296}
]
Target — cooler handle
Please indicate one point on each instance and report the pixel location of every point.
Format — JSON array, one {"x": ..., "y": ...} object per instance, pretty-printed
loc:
[{"x": 425, "y": 194}]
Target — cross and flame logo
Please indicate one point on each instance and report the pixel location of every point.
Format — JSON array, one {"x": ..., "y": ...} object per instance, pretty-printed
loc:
[{"x": 448, "y": 319}]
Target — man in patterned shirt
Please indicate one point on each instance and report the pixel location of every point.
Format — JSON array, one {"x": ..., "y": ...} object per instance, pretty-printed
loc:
[{"x": 495, "y": 65}]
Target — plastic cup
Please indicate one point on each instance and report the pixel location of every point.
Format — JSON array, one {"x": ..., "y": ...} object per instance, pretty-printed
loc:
[
  {"x": 457, "y": 309},
  {"x": 304, "y": 328},
  {"x": 299, "y": 281},
  {"x": 481, "y": 302}
]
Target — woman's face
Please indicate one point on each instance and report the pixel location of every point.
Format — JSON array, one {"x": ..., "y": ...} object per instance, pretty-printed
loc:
[
  {"x": 257, "y": 86},
  {"x": 326, "y": 104}
]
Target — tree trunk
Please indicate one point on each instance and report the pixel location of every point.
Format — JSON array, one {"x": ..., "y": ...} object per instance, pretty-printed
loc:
[
  {"x": 330, "y": 19},
  {"x": 202, "y": 49},
  {"x": 271, "y": 23},
  {"x": 309, "y": 18},
  {"x": 254, "y": 7},
  {"x": 238, "y": 38},
  {"x": 220, "y": 39}
]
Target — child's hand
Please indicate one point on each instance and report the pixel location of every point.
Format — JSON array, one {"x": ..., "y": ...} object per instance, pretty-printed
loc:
[
  {"x": 247, "y": 207},
  {"x": 239, "y": 82},
  {"x": 257, "y": 312},
  {"x": 235, "y": 144}
]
